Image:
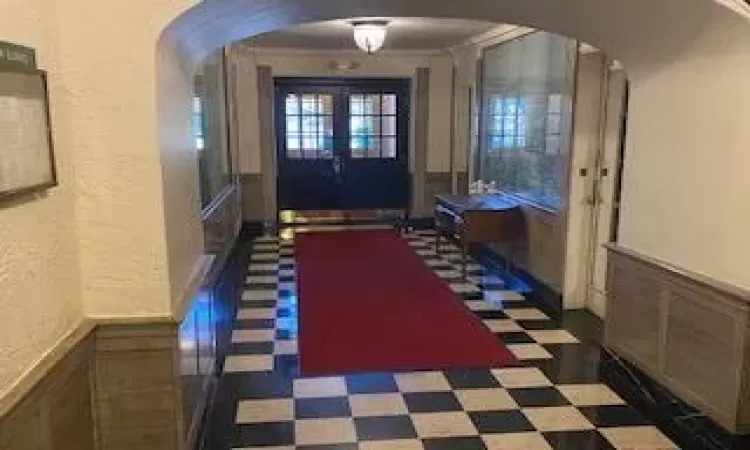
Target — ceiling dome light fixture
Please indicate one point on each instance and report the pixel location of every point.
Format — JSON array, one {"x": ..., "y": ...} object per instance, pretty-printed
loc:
[{"x": 370, "y": 34}]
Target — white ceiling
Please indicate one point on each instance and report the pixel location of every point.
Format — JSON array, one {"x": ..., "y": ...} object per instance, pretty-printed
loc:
[{"x": 403, "y": 34}]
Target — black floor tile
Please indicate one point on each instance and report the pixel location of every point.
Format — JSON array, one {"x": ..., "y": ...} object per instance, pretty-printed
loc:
[
  {"x": 384, "y": 428},
  {"x": 286, "y": 335},
  {"x": 614, "y": 416},
  {"x": 261, "y": 286},
  {"x": 539, "y": 324},
  {"x": 286, "y": 312},
  {"x": 537, "y": 397},
  {"x": 264, "y": 434},
  {"x": 423, "y": 402},
  {"x": 488, "y": 315},
  {"x": 251, "y": 348},
  {"x": 286, "y": 365},
  {"x": 471, "y": 379},
  {"x": 255, "y": 324},
  {"x": 494, "y": 286},
  {"x": 515, "y": 337},
  {"x": 257, "y": 385},
  {"x": 578, "y": 440},
  {"x": 513, "y": 421},
  {"x": 371, "y": 383},
  {"x": 321, "y": 408}
]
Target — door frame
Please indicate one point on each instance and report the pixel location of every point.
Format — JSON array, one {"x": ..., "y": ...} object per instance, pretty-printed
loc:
[{"x": 401, "y": 85}]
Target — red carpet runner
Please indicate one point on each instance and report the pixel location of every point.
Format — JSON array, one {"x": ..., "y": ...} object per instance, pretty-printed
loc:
[{"x": 368, "y": 303}]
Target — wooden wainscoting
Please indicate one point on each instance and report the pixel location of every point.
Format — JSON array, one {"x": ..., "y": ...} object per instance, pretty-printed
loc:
[
  {"x": 686, "y": 330},
  {"x": 51, "y": 409}
]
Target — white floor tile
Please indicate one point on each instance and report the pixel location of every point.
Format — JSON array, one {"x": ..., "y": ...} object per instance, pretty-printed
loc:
[
  {"x": 422, "y": 382},
  {"x": 319, "y": 387},
  {"x": 257, "y": 411},
  {"x": 557, "y": 418},
  {"x": 246, "y": 336},
  {"x": 248, "y": 363},
  {"x": 521, "y": 377},
  {"x": 529, "y": 351},
  {"x": 590, "y": 394},
  {"x": 324, "y": 431}
]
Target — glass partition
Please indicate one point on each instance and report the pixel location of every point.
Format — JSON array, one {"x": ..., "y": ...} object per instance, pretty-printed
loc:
[
  {"x": 210, "y": 127},
  {"x": 525, "y": 124}
]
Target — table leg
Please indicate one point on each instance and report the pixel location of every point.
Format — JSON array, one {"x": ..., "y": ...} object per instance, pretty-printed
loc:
[{"x": 464, "y": 261}]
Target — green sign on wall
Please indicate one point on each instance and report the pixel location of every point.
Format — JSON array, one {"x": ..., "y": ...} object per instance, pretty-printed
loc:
[{"x": 17, "y": 56}]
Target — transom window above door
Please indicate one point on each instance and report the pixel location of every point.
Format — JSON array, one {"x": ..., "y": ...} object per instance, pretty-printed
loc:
[
  {"x": 372, "y": 125},
  {"x": 309, "y": 126}
]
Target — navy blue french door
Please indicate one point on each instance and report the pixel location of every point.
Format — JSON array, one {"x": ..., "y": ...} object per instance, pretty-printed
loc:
[{"x": 342, "y": 144}]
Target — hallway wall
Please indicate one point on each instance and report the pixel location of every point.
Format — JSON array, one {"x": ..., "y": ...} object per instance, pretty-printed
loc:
[
  {"x": 685, "y": 190},
  {"x": 40, "y": 288},
  {"x": 128, "y": 209}
]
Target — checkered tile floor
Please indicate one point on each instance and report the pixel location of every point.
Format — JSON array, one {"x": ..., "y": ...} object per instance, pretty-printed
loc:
[{"x": 555, "y": 401}]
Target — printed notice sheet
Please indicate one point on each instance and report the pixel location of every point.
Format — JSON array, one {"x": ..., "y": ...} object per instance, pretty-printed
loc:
[{"x": 25, "y": 157}]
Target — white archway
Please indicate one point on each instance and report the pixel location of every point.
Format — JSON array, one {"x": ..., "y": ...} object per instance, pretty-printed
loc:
[{"x": 686, "y": 137}]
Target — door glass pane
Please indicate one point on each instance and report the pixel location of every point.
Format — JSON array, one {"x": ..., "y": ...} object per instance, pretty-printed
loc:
[
  {"x": 356, "y": 104},
  {"x": 360, "y": 142},
  {"x": 357, "y": 125},
  {"x": 373, "y": 148},
  {"x": 389, "y": 147},
  {"x": 309, "y": 142},
  {"x": 292, "y": 104},
  {"x": 372, "y": 104},
  {"x": 325, "y": 126},
  {"x": 292, "y": 125},
  {"x": 325, "y": 104},
  {"x": 292, "y": 142},
  {"x": 389, "y": 126},
  {"x": 372, "y": 125},
  {"x": 389, "y": 104},
  {"x": 309, "y": 104},
  {"x": 310, "y": 124}
]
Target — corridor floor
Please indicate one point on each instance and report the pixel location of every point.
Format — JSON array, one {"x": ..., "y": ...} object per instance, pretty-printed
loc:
[{"x": 555, "y": 401}]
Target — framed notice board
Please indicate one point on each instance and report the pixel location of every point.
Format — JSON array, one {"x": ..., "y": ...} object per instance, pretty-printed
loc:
[{"x": 27, "y": 162}]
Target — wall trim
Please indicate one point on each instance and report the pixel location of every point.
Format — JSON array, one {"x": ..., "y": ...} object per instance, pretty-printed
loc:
[
  {"x": 684, "y": 329},
  {"x": 712, "y": 283},
  {"x": 23, "y": 386}
]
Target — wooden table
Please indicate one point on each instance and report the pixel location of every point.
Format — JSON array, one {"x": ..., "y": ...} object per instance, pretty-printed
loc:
[{"x": 468, "y": 219}]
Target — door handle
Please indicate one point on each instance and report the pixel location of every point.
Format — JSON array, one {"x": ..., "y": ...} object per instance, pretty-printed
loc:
[{"x": 337, "y": 165}]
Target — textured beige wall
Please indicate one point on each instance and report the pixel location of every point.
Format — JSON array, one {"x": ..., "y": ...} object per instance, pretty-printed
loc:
[
  {"x": 108, "y": 52},
  {"x": 40, "y": 294},
  {"x": 96, "y": 244}
]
